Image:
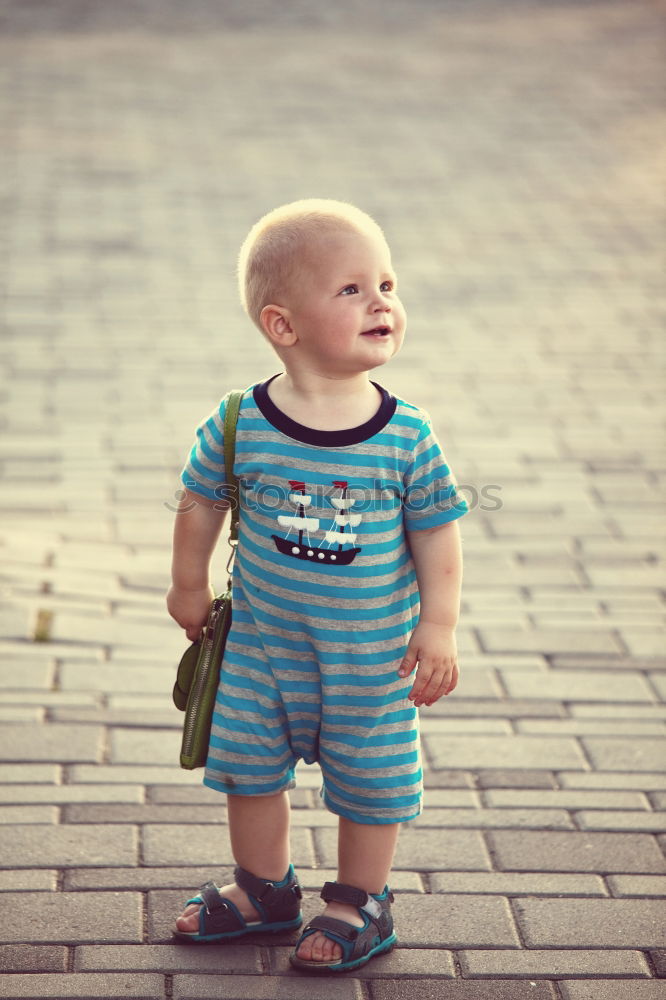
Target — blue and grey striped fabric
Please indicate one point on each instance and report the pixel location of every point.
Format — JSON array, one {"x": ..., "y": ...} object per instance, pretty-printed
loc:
[{"x": 324, "y": 601}]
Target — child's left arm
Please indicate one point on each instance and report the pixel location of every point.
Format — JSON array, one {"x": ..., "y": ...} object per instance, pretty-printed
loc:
[{"x": 437, "y": 557}]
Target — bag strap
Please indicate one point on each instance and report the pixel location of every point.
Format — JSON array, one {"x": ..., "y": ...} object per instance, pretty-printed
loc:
[{"x": 230, "y": 421}]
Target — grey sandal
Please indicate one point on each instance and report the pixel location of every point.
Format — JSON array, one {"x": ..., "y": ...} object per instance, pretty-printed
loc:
[
  {"x": 359, "y": 944},
  {"x": 277, "y": 903}
]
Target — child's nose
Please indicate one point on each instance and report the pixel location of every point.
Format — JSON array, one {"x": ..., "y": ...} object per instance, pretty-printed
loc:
[{"x": 381, "y": 304}]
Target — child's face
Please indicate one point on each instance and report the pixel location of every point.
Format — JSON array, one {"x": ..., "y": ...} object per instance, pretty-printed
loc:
[{"x": 343, "y": 307}]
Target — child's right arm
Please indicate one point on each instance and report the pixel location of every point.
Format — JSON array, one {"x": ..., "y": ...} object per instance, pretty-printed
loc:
[{"x": 196, "y": 531}]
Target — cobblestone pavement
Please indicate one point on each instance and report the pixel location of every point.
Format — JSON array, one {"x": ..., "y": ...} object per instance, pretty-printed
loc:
[{"x": 511, "y": 151}]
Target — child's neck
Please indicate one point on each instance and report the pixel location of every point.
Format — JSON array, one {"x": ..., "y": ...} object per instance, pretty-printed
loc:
[{"x": 325, "y": 403}]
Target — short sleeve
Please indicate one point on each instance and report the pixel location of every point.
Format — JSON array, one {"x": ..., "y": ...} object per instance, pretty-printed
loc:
[
  {"x": 431, "y": 496},
  {"x": 204, "y": 470}
]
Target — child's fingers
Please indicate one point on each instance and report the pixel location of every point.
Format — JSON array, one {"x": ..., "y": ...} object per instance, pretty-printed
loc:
[
  {"x": 455, "y": 677},
  {"x": 432, "y": 682},
  {"x": 449, "y": 682},
  {"x": 425, "y": 684},
  {"x": 408, "y": 662}
]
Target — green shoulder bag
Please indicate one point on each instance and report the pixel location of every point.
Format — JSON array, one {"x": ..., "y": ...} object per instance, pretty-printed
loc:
[{"x": 198, "y": 673}]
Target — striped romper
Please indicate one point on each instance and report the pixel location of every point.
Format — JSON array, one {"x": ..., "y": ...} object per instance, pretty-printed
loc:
[{"x": 324, "y": 602}]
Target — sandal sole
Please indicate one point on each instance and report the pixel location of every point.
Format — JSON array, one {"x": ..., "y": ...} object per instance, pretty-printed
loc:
[{"x": 231, "y": 935}]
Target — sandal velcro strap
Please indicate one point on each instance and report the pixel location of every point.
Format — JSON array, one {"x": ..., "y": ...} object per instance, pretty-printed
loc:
[
  {"x": 337, "y": 927},
  {"x": 259, "y": 887},
  {"x": 211, "y": 898},
  {"x": 337, "y": 892},
  {"x": 264, "y": 890}
]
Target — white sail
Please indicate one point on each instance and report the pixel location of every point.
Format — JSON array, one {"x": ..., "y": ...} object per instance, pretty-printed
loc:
[
  {"x": 300, "y": 498},
  {"x": 340, "y": 537},
  {"x": 302, "y": 523},
  {"x": 353, "y": 520},
  {"x": 343, "y": 503}
]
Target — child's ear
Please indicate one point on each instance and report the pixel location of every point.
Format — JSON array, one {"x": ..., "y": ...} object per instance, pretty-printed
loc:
[{"x": 277, "y": 326}]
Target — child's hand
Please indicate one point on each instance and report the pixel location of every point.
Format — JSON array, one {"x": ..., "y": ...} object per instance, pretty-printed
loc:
[
  {"x": 190, "y": 608},
  {"x": 433, "y": 647}
]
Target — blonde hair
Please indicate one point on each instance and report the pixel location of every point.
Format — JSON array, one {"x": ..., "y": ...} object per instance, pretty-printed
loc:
[{"x": 270, "y": 254}]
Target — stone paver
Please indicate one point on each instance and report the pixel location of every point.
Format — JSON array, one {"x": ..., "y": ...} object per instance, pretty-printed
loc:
[
  {"x": 582, "y": 727},
  {"x": 549, "y": 641},
  {"x": 617, "y": 820},
  {"x": 542, "y": 819},
  {"x": 62, "y": 794},
  {"x": 509, "y": 751},
  {"x": 464, "y": 921},
  {"x": 513, "y": 778},
  {"x": 504, "y": 989},
  {"x": 422, "y": 850},
  {"x": 165, "y": 845},
  {"x": 67, "y": 846},
  {"x": 638, "y": 754},
  {"x": 604, "y": 923},
  {"x": 566, "y": 799},
  {"x": 637, "y": 885},
  {"x": 33, "y": 958},
  {"x": 15, "y": 815},
  {"x": 523, "y": 883},
  {"x": 27, "y": 774},
  {"x": 84, "y": 986},
  {"x": 112, "y": 678},
  {"x": 129, "y": 774},
  {"x": 261, "y": 988},
  {"x": 50, "y": 743},
  {"x": 647, "y": 780},
  {"x": 68, "y": 917},
  {"x": 168, "y": 958},
  {"x": 578, "y": 685},
  {"x": 575, "y": 852},
  {"x": 25, "y": 880},
  {"x": 612, "y": 989},
  {"x": 144, "y": 813},
  {"x": 552, "y": 963},
  {"x": 510, "y": 151}
]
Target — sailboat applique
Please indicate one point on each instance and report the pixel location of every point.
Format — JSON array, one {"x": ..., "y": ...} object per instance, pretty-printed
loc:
[{"x": 338, "y": 544}]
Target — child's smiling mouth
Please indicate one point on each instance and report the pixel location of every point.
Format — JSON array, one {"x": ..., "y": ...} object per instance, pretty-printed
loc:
[{"x": 378, "y": 331}]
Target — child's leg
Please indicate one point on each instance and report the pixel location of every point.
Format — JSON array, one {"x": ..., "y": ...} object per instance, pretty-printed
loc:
[
  {"x": 365, "y": 853},
  {"x": 365, "y": 856},
  {"x": 259, "y": 834}
]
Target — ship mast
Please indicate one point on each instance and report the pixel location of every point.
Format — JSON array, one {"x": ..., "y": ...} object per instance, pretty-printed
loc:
[
  {"x": 297, "y": 485},
  {"x": 341, "y": 484}
]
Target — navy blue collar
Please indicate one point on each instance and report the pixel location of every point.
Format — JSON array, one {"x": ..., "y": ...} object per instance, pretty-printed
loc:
[{"x": 324, "y": 439}]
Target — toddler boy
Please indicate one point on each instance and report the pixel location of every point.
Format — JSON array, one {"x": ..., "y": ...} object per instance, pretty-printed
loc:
[{"x": 347, "y": 577}]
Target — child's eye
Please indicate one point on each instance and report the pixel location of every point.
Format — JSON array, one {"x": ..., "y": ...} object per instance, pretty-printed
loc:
[
  {"x": 386, "y": 286},
  {"x": 349, "y": 290}
]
